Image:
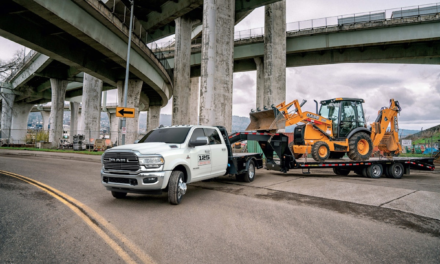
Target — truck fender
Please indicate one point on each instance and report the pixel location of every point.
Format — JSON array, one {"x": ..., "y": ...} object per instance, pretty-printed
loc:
[
  {"x": 359, "y": 129},
  {"x": 249, "y": 161},
  {"x": 177, "y": 163}
]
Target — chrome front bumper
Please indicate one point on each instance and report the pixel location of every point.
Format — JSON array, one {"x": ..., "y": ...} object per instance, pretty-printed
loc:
[{"x": 135, "y": 182}]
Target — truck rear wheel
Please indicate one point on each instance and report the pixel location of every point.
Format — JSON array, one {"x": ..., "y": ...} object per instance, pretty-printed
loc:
[
  {"x": 119, "y": 195},
  {"x": 396, "y": 170},
  {"x": 320, "y": 151},
  {"x": 249, "y": 175},
  {"x": 360, "y": 146},
  {"x": 375, "y": 171},
  {"x": 176, "y": 187}
]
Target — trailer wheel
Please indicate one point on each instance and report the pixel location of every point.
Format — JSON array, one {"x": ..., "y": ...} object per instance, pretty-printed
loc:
[
  {"x": 340, "y": 171},
  {"x": 396, "y": 170},
  {"x": 386, "y": 171},
  {"x": 249, "y": 175},
  {"x": 360, "y": 146},
  {"x": 375, "y": 171},
  {"x": 239, "y": 177},
  {"x": 176, "y": 187},
  {"x": 364, "y": 172},
  {"x": 320, "y": 151},
  {"x": 119, "y": 195}
]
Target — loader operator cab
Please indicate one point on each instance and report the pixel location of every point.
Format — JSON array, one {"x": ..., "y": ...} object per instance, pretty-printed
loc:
[{"x": 346, "y": 114}]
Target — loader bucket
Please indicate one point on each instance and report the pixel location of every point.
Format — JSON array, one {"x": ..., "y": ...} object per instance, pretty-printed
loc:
[{"x": 266, "y": 120}]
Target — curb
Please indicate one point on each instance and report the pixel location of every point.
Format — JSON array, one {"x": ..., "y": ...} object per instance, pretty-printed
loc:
[{"x": 44, "y": 155}]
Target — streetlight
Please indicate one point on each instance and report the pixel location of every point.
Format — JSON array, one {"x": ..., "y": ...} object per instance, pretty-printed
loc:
[{"x": 123, "y": 125}]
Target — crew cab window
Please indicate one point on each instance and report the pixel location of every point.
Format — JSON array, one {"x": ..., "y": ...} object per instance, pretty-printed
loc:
[
  {"x": 197, "y": 133},
  {"x": 175, "y": 135},
  {"x": 213, "y": 136}
]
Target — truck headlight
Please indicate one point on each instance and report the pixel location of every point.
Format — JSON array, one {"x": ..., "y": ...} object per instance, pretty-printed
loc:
[{"x": 151, "y": 162}]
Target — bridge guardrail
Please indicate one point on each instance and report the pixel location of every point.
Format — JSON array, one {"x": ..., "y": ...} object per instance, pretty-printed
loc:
[{"x": 327, "y": 22}]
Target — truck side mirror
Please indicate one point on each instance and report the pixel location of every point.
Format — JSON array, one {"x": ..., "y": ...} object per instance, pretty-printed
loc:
[
  {"x": 136, "y": 141},
  {"x": 200, "y": 141}
]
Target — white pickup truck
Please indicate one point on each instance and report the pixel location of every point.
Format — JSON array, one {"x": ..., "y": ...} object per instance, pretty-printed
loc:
[{"x": 169, "y": 158}]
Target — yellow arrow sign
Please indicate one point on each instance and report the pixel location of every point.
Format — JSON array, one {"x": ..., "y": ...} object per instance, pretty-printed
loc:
[{"x": 125, "y": 112}]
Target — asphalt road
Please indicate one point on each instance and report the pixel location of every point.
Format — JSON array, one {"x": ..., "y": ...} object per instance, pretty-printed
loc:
[{"x": 212, "y": 225}]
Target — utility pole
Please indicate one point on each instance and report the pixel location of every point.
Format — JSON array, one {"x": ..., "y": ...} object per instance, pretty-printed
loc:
[{"x": 124, "y": 129}]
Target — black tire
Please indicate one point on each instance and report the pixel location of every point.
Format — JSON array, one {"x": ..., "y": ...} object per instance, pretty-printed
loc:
[
  {"x": 176, "y": 187},
  {"x": 386, "y": 171},
  {"x": 320, "y": 151},
  {"x": 364, "y": 172},
  {"x": 375, "y": 171},
  {"x": 336, "y": 155},
  {"x": 340, "y": 171},
  {"x": 119, "y": 195},
  {"x": 360, "y": 146},
  {"x": 396, "y": 170},
  {"x": 249, "y": 175}
]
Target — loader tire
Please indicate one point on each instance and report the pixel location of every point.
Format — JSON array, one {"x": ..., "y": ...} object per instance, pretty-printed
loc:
[
  {"x": 360, "y": 147},
  {"x": 336, "y": 155},
  {"x": 320, "y": 151}
]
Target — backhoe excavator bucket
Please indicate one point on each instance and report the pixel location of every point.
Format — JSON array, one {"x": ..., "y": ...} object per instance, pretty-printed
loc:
[{"x": 266, "y": 120}]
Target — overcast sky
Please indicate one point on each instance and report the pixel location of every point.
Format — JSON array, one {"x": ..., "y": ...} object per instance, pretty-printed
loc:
[{"x": 416, "y": 87}]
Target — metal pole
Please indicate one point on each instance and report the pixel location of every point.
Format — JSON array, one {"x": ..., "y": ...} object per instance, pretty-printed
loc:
[{"x": 127, "y": 72}]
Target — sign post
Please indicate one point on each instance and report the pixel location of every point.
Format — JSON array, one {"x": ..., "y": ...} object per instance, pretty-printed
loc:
[{"x": 127, "y": 72}]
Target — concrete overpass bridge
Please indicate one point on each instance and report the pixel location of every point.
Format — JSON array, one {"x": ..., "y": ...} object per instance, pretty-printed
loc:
[{"x": 410, "y": 40}]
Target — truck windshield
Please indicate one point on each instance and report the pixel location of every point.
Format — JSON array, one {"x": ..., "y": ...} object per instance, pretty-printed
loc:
[{"x": 167, "y": 135}]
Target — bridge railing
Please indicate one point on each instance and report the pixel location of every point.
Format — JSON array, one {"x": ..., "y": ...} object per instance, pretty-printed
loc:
[
  {"x": 326, "y": 22},
  {"x": 20, "y": 64}
]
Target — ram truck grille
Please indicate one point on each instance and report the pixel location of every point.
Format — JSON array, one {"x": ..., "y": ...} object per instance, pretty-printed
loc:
[{"x": 121, "y": 161}]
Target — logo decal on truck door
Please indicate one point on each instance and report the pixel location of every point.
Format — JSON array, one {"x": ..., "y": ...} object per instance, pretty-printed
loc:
[{"x": 204, "y": 159}]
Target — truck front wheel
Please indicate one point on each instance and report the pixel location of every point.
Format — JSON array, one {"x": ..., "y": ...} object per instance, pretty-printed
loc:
[{"x": 176, "y": 187}]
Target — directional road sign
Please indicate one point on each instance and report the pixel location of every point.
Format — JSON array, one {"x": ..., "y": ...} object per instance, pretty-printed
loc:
[{"x": 125, "y": 112}]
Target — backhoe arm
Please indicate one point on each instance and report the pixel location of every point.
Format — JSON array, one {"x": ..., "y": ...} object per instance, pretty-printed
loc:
[{"x": 387, "y": 141}]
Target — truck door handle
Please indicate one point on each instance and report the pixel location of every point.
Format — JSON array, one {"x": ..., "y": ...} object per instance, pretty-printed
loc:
[{"x": 223, "y": 149}]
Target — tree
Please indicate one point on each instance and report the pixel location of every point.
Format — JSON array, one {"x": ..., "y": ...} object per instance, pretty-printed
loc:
[{"x": 7, "y": 68}]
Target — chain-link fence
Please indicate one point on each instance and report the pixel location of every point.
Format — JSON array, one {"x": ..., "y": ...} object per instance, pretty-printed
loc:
[{"x": 40, "y": 138}]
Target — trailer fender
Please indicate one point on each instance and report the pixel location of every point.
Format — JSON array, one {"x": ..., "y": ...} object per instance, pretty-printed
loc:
[{"x": 359, "y": 129}]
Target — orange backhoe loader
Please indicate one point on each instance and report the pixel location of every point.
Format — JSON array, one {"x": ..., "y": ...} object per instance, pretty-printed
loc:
[{"x": 338, "y": 129}]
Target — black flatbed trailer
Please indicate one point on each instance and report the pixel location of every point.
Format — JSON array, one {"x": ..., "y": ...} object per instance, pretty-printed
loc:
[{"x": 284, "y": 160}]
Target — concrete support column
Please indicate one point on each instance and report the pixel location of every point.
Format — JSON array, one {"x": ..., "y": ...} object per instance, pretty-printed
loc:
[
  {"x": 46, "y": 119},
  {"x": 217, "y": 63},
  {"x": 20, "y": 116},
  {"x": 134, "y": 94},
  {"x": 194, "y": 101},
  {"x": 7, "y": 105},
  {"x": 57, "y": 110},
  {"x": 260, "y": 83},
  {"x": 275, "y": 53},
  {"x": 74, "y": 110},
  {"x": 182, "y": 58},
  {"x": 114, "y": 127},
  {"x": 91, "y": 108},
  {"x": 153, "y": 118}
]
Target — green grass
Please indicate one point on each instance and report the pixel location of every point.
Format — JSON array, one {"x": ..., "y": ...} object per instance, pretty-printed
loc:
[
  {"x": 86, "y": 152},
  {"x": 414, "y": 155},
  {"x": 435, "y": 138}
]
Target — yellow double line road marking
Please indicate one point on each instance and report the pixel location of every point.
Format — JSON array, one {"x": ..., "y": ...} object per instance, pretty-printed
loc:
[{"x": 96, "y": 222}]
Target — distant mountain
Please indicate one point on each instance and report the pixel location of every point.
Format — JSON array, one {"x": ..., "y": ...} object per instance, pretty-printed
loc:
[
  {"x": 419, "y": 133},
  {"x": 406, "y": 132}
]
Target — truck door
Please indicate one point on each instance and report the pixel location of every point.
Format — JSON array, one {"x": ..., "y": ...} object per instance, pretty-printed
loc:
[
  {"x": 218, "y": 151},
  {"x": 200, "y": 157}
]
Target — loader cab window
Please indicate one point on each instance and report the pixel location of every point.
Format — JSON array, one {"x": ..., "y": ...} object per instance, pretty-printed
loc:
[
  {"x": 360, "y": 115},
  {"x": 331, "y": 112},
  {"x": 348, "y": 118}
]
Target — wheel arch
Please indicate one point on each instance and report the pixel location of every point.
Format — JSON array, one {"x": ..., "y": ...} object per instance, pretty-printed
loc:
[
  {"x": 186, "y": 172},
  {"x": 357, "y": 130}
]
